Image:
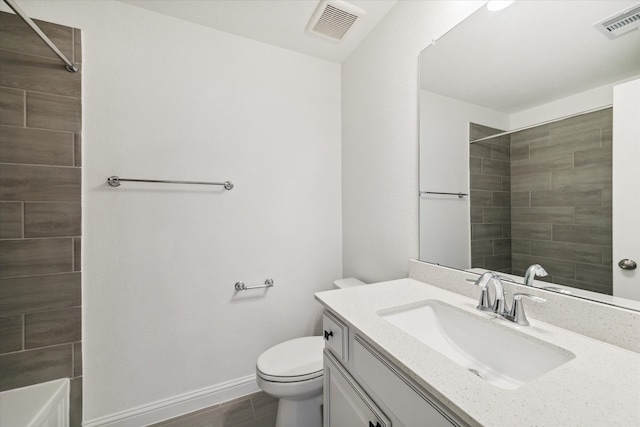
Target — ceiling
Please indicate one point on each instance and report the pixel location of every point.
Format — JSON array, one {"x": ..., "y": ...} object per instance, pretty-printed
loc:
[
  {"x": 529, "y": 54},
  {"x": 277, "y": 22}
]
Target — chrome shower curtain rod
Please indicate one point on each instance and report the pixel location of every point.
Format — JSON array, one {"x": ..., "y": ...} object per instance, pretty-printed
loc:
[
  {"x": 460, "y": 195},
  {"x": 69, "y": 65}
]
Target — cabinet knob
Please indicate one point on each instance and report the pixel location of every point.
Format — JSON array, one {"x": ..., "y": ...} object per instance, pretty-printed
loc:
[{"x": 328, "y": 334}]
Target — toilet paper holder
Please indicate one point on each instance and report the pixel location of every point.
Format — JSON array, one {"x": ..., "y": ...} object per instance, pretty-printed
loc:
[{"x": 240, "y": 286}]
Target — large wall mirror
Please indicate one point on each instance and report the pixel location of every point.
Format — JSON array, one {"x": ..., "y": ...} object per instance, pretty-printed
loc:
[{"x": 516, "y": 146}]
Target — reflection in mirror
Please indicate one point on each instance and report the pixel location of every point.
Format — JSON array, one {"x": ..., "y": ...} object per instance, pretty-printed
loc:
[
  {"x": 540, "y": 77},
  {"x": 543, "y": 196}
]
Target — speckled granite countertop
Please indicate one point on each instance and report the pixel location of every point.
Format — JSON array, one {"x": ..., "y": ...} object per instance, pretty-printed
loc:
[{"x": 599, "y": 387}]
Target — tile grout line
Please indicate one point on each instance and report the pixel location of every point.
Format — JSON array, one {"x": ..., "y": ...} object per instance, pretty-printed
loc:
[
  {"x": 35, "y": 128},
  {"x": 52, "y": 58},
  {"x": 24, "y": 219},
  {"x": 41, "y": 201},
  {"x": 41, "y": 165},
  {"x": 59, "y": 273},
  {"x": 43, "y": 93},
  {"x": 73, "y": 46},
  {"x": 73, "y": 150},
  {"x": 50, "y": 310},
  {"x": 39, "y": 238},
  {"x": 48, "y": 346},
  {"x": 77, "y": 148},
  {"x": 24, "y": 108},
  {"x": 24, "y": 331},
  {"x": 73, "y": 359}
]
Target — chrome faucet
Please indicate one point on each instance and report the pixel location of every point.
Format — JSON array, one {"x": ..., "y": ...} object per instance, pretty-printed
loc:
[
  {"x": 533, "y": 271},
  {"x": 514, "y": 314},
  {"x": 485, "y": 303}
]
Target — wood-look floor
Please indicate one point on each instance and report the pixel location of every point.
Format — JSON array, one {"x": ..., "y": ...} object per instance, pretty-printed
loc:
[{"x": 254, "y": 410}]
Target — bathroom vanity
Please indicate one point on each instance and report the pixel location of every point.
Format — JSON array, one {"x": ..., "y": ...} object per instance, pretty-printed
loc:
[
  {"x": 386, "y": 364},
  {"x": 359, "y": 390}
]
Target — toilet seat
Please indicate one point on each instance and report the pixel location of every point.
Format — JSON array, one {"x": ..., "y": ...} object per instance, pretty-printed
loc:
[{"x": 299, "y": 359}]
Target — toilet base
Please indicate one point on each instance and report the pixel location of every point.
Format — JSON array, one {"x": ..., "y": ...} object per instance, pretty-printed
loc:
[{"x": 300, "y": 413}]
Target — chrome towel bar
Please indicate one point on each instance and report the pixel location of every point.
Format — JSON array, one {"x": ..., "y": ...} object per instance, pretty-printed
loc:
[
  {"x": 240, "y": 286},
  {"x": 115, "y": 181},
  {"x": 460, "y": 195}
]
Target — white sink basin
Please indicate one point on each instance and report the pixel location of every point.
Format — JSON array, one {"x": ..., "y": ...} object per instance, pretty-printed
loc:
[{"x": 495, "y": 353}]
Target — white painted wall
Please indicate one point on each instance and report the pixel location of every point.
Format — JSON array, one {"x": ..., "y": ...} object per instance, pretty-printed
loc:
[
  {"x": 380, "y": 138},
  {"x": 444, "y": 167},
  {"x": 581, "y": 102},
  {"x": 166, "y": 99}
]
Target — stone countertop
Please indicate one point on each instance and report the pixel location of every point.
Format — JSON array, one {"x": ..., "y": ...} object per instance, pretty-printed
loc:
[{"x": 599, "y": 387}]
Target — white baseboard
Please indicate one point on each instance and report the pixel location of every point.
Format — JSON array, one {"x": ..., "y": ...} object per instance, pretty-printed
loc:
[{"x": 178, "y": 405}]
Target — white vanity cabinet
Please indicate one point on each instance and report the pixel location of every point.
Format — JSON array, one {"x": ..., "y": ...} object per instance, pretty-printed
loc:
[
  {"x": 345, "y": 403},
  {"x": 336, "y": 337},
  {"x": 362, "y": 388}
]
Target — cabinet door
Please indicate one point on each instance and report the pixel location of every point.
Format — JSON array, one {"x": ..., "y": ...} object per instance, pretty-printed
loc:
[
  {"x": 345, "y": 403},
  {"x": 403, "y": 400}
]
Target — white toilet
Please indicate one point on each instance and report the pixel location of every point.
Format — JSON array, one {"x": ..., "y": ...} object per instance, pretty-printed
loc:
[{"x": 292, "y": 372}]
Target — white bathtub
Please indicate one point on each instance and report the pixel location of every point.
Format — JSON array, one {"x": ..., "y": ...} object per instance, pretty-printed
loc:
[{"x": 38, "y": 405}]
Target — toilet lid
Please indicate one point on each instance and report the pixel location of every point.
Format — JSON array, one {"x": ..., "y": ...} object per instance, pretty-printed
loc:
[{"x": 294, "y": 360}]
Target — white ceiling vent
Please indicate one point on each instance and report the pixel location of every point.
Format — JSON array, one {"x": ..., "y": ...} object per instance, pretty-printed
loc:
[
  {"x": 620, "y": 23},
  {"x": 333, "y": 19}
]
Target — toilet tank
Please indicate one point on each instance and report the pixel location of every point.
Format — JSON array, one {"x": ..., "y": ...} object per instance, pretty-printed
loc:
[{"x": 347, "y": 283}]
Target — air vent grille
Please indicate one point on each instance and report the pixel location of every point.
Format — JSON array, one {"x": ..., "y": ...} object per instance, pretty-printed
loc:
[
  {"x": 334, "y": 22},
  {"x": 333, "y": 19},
  {"x": 621, "y": 23}
]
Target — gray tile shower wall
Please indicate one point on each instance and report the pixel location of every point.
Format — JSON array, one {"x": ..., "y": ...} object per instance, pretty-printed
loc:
[
  {"x": 543, "y": 195},
  {"x": 561, "y": 200},
  {"x": 40, "y": 209},
  {"x": 490, "y": 199}
]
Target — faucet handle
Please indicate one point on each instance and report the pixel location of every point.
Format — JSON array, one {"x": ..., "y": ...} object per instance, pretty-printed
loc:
[
  {"x": 519, "y": 296},
  {"x": 516, "y": 314},
  {"x": 497, "y": 276},
  {"x": 485, "y": 303}
]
